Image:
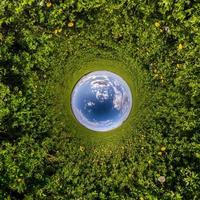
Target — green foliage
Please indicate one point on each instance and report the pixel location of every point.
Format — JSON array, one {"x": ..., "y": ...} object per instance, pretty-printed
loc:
[
  {"x": 4, "y": 110},
  {"x": 46, "y": 46}
]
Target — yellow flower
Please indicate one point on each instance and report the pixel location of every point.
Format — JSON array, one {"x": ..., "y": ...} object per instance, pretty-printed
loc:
[
  {"x": 180, "y": 46},
  {"x": 49, "y": 4},
  {"x": 60, "y": 30},
  {"x": 70, "y": 24},
  {"x": 82, "y": 148},
  {"x": 57, "y": 31},
  {"x": 178, "y": 66},
  {"x": 157, "y": 24},
  {"x": 149, "y": 162},
  {"x": 160, "y": 153},
  {"x": 163, "y": 149}
]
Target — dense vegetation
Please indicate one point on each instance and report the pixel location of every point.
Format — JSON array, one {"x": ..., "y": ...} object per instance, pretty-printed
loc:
[{"x": 46, "y": 46}]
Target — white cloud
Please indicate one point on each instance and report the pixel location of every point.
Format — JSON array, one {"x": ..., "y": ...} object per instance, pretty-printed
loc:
[{"x": 90, "y": 103}]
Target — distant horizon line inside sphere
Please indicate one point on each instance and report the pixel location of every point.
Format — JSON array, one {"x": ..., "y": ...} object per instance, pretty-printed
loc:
[{"x": 101, "y": 100}]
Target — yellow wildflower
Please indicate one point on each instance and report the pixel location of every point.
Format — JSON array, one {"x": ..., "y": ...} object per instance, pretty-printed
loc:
[
  {"x": 178, "y": 66},
  {"x": 149, "y": 162},
  {"x": 70, "y": 24},
  {"x": 157, "y": 24},
  {"x": 60, "y": 30},
  {"x": 49, "y": 4},
  {"x": 163, "y": 149},
  {"x": 180, "y": 46},
  {"x": 56, "y": 31},
  {"x": 155, "y": 71},
  {"x": 160, "y": 153},
  {"x": 82, "y": 148}
]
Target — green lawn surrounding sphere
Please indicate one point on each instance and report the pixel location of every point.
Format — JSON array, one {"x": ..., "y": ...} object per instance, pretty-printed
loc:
[
  {"x": 46, "y": 47},
  {"x": 83, "y": 63}
]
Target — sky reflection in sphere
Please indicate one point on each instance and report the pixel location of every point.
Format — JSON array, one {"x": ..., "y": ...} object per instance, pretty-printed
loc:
[{"x": 101, "y": 101}]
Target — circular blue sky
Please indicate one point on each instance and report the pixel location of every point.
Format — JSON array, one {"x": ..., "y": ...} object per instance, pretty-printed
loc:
[{"x": 101, "y": 101}]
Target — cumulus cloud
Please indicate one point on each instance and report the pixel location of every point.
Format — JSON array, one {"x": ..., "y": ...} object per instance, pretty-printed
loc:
[
  {"x": 102, "y": 95},
  {"x": 118, "y": 99}
]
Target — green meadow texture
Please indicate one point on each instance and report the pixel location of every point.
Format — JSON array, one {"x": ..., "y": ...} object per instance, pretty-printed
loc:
[{"x": 46, "y": 46}]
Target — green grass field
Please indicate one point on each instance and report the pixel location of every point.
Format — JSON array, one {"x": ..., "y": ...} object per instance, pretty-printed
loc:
[
  {"x": 46, "y": 47},
  {"x": 83, "y": 63}
]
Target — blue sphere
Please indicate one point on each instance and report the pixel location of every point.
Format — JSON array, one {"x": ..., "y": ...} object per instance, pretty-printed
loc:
[{"x": 101, "y": 101}]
